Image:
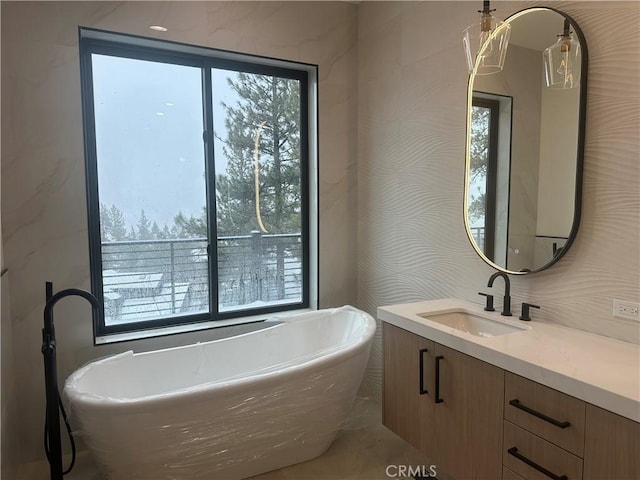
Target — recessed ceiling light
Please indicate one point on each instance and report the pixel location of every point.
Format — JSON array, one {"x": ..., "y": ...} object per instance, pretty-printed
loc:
[
  {"x": 169, "y": 104},
  {"x": 158, "y": 28},
  {"x": 160, "y": 114}
]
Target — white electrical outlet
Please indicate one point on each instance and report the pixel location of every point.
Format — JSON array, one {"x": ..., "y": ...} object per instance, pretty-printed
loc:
[{"x": 624, "y": 309}]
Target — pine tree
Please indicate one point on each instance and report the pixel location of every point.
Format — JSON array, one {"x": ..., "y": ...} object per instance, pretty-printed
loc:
[
  {"x": 105, "y": 224},
  {"x": 144, "y": 227},
  {"x": 191, "y": 227},
  {"x": 273, "y": 103},
  {"x": 156, "y": 233},
  {"x": 119, "y": 224},
  {"x": 113, "y": 226},
  {"x": 478, "y": 155}
]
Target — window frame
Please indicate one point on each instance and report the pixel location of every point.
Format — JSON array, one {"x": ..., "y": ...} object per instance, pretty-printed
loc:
[{"x": 93, "y": 41}]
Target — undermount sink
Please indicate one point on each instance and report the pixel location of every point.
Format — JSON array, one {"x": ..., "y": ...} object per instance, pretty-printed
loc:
[{"x": 472, "y": 324}]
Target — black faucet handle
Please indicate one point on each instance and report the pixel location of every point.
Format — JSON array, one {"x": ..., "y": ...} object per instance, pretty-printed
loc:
[
  {"x": 525, "y": 311},
  {"x": 489, "y": 305}
]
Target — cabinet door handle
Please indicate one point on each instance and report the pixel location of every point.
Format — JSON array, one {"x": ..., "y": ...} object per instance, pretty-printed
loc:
[
  {"x": 516, "y": 403},
  {"x": 421, "y": 360},
  {"x": 438, "y": 399},
  {"x": 514, "y": 451}
]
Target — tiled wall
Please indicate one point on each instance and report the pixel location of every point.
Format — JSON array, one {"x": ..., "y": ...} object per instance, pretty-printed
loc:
[
  {"x": 411, "y": 135},
  {"x": 43, "y": 189}
]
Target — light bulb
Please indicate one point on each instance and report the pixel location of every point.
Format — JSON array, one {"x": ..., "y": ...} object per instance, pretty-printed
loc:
[
  {"x": 485, "y": 39},
  {"x": 564, "y": 69},
  {"x": 485, "y": 43},
  {"x": 562, "y": 62},
  {"x": 485, "y": 33}
]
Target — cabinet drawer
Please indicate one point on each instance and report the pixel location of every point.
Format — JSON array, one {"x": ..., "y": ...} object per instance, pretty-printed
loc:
[
  {"x": 555, "y": 416},
  {"x": 510, "y": 474},
  {"x": 536, "y": 459}
]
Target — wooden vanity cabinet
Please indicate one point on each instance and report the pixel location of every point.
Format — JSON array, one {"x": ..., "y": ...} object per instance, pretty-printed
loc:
[
  {"x": 468, "y": 420},
  {"x": 476, "y": 421},
  {"x": 455, "y": 419},
  {"x": 407, "y": 400},
  {"x": 565, "y": 436},
  {"x": 612, "y": 446}
]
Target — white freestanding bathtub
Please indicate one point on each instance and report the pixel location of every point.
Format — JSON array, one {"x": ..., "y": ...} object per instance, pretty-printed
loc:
[{"x": 225, "y": 409}]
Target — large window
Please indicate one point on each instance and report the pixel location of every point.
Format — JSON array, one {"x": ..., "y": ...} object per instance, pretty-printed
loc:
[{"x": 198, "y": 174}]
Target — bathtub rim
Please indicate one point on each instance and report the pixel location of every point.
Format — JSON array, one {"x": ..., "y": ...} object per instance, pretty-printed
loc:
[{"x": 317, "y": 360}]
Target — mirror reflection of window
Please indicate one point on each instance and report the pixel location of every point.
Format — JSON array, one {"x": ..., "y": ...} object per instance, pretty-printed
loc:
[
  {"x": 489, "y": 175},
  {"x": 484, "y": 156}
]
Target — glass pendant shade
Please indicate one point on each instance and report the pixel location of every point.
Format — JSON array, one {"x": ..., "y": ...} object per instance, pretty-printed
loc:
[
  {"x": 562, "y": 63},
  {"x": 486, "y": 43}
]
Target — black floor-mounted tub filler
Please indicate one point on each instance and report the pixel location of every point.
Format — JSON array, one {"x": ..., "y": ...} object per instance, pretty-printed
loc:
[{"x": 52, "y": 440}]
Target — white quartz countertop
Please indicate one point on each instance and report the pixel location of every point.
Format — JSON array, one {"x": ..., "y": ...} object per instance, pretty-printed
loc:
[{"x": 599, "y": 370}]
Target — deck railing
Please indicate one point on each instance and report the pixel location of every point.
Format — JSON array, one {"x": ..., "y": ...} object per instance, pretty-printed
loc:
[
  {"x": 145, "y": 279},
  {"x": 478, "y": 236}
]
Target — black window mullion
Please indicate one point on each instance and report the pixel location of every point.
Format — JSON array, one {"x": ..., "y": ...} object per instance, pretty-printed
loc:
[
  {"x": 142, "y": 53},
  {"x": 492, "y": 179},
  {"x": 210, "y": 170},
  {"x": 91, "y": 174},
  {"x": 304, "y": 187}
]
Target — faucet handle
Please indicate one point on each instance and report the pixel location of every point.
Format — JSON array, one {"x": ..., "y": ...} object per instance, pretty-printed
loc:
[
  {"x": 489, "y": 305},
  {"x": 525, "y": 311}
]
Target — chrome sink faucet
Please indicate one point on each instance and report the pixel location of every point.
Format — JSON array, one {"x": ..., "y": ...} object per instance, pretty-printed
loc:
[{"x": 506, "y": 304}]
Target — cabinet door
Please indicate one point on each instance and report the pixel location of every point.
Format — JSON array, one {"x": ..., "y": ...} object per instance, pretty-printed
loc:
[
  {"x": 611, "y": 446},
  {"x": 407, "y": 409},
  {"x": 469, "y": 420}
]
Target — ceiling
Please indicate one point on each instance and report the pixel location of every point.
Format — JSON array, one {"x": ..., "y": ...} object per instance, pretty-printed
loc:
[{"x": 536, "y": 30}]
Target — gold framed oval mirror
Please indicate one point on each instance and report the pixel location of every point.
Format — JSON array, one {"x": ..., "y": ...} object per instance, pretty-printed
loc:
[{"x": 525, "y": 145}]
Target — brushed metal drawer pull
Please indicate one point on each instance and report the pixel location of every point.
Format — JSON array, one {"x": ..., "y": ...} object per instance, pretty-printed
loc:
[
  {"x": 516, "y": 403},
  {"x": 514, "y": 451},
  {"x": 421, "y": 360}
]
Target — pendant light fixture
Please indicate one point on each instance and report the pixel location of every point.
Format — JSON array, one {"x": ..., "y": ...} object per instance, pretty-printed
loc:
[
  {"x": 562, "y": 61},
  {"x": 486, "y": 43}
]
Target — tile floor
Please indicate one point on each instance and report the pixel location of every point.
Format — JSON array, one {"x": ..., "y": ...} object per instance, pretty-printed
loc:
[{"x": 361, "y": 451}]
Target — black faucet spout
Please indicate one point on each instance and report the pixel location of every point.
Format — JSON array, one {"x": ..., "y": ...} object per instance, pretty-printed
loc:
[
  {"x": 506, "y": 304},
  {"x": 53, "y": 299}
]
